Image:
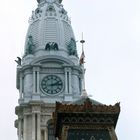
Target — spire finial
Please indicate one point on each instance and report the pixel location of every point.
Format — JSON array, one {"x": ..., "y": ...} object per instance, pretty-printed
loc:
[
  {"x": 82, "y": 41},
  {"x": 82, "y": 61},
  {"x": 83, "y": 54}
]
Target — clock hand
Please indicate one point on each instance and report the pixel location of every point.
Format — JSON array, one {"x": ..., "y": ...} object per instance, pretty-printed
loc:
[{"x": 55, "y": 84}]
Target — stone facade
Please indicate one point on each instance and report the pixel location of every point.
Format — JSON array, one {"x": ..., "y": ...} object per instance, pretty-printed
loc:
[
  {"x": 33, "y": 120},
  {"x": 49, "y": 70}
]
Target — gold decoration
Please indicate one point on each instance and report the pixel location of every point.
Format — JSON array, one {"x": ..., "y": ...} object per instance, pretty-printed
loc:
[{"x": 87, "y": 107}]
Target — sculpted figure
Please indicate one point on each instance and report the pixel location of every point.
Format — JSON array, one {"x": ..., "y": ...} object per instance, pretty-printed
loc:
[
  {"x": 72, "y": 47},
  {"x": 51, "y": 46},
  {"x": 18, "y": 61},
  {"x": 30, "y": 45}
]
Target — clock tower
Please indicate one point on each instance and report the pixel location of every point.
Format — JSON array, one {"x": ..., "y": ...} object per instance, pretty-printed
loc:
[
  {"x": 49, "y": 70},
  {"x": 53, "y": 102}
]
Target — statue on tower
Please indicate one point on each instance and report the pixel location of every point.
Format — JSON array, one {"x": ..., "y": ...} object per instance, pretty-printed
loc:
[
  {"x": 30, "y": 45},
  {"x": 72, "y": 47},
  {"x": 18, "y": 61}
]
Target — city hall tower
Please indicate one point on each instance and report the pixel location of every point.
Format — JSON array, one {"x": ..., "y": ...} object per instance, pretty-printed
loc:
[
  {"x": 53, "y": 103},
  {"x": 49, "y": 70}
]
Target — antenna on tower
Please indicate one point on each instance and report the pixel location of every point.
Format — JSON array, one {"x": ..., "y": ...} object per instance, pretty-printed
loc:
[{"x": 82, "y": 61}]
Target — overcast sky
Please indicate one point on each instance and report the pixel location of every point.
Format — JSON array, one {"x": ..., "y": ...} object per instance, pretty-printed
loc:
[{"x": 112, "y": 32}]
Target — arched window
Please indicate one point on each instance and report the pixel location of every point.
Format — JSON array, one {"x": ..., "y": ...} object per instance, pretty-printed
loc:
[{"x": 51, "y": 130}]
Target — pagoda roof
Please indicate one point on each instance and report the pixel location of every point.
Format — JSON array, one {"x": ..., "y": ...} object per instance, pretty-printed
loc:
[
  {"x": 87, "y": 105},
  {"x": 85, "y": 111}
]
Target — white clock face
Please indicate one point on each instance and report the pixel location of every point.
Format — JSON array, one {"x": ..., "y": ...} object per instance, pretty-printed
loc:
[{"x": 51, "y": 85}]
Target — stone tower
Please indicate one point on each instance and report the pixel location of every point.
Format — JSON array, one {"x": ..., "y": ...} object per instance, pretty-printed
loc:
[
  {"x": 53, "y": 102},
  {"x": 49, "y": 70}
]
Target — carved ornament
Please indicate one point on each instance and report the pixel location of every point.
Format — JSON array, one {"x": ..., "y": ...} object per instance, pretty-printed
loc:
[{"x": 87, "y": 107}]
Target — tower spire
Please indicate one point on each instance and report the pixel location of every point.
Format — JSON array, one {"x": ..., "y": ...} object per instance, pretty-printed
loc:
[{"x": 82, "y": 61}]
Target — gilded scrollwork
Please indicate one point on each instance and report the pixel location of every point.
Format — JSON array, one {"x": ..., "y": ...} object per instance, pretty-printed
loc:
[
  {"x": 88, "y": 107},
  {"x": 86, "y": 116}
]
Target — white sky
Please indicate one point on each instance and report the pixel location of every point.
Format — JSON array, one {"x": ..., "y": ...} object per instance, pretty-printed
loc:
[{"x": 112, "y": 33}]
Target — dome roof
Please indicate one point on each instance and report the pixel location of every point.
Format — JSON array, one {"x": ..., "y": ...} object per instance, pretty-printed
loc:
[{"x": 50, "y": 31}]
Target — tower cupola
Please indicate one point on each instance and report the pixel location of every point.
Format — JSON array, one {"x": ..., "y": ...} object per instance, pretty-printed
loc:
[
  {"x": 49, "y": 70},
  {"x": 50, "y": 32}
]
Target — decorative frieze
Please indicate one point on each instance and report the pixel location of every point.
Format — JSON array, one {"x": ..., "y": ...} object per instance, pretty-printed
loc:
[
  {"x": 88, "y": 107},
  {"x": 85, "y": 120}
]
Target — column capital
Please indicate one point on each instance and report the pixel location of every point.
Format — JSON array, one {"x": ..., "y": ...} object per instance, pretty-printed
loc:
[
  {"x": 36, "y": 109},
  {"x": 36, "y": 68}
]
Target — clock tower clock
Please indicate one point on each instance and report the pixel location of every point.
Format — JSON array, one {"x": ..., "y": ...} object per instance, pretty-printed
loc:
[{"x": 51, "y": 85}]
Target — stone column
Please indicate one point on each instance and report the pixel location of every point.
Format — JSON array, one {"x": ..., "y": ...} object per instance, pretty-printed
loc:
[
  {"x": 34, "y": 82},
  {"x": 38, "y": 81},
  {"x": 33, "y": 126},
  {"x": 68, "y": 87},
  {"x": 70, "y": 81},
  {"x": 66, "y": 82},
  {"x": 25, "y": 128},
  {"x": 21, "y": 86},
  {"x": 38, "y": 127},
  {"x": 36, "y": 94},
  {"x": 19, "y": 129},
  {"x": 45, "y": 134}
]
